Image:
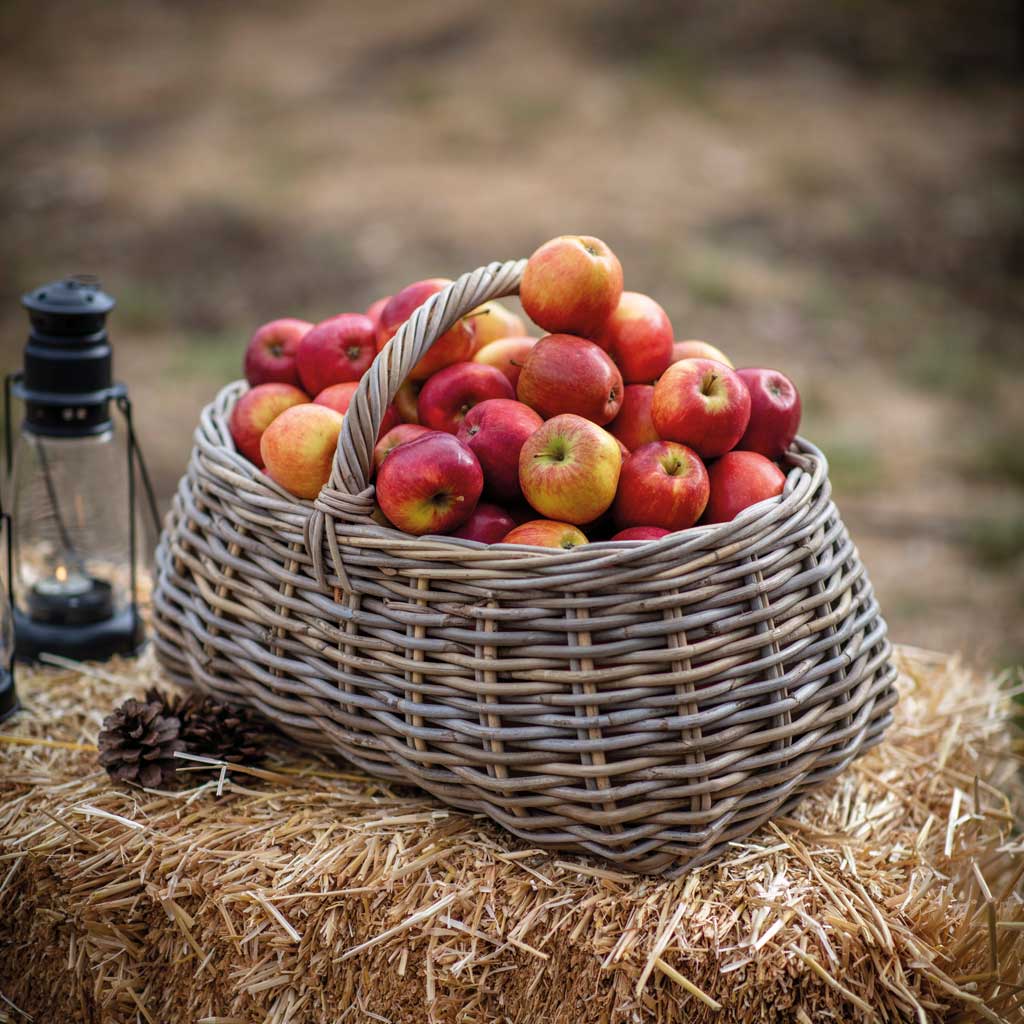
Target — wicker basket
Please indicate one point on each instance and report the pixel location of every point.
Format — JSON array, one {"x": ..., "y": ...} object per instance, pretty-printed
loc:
[{"x": 648, "y": 702}]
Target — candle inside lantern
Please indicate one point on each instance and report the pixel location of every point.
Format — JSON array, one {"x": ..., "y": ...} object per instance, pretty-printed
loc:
[{"x": 70, "y": 597}]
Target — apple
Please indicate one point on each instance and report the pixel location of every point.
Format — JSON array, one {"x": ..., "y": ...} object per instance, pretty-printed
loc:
[
  {"x": 699, "y": 350},
  {"x": 563, "y": 374},
  {"x": 507, "y": 354},
  {"x": 492, "y": 321},
  {"x": 270, "y": 355},
  {"x": 407, "y": 400},
  {"x": 638, "y": 336},
  {"x": 546, "y": 533},
  {"x": 571, "y": 285},
  {"x": 774, "y": 412},
  {"x": 256, "y": 410},
  {"x": 701, "y": 403},
  {"x": 488, "y": 524},
  {"x": 374, "y": 310},
  {"x": 450, "y": 393},
  {"x": 298, "y": 448},
  {"x": 430, "y": 484},
  {"x": 339, "y": 396},
  {"x": 738, "y": 480},
  {"x": 641, "y": 533},
  {"x": 633, "y": 426},
  {"x": 456, "y": 345},
  {"x": 662, "y": 484},
  {"x": 569, "y": 469},
  {"x": 400, "y": 434},
  {"x": 495, "y": 432},
  {"x": 338, "y": 349}
]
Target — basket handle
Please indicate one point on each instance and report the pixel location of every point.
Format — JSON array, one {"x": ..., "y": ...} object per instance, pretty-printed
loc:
[{"x": 348, "y": 494}]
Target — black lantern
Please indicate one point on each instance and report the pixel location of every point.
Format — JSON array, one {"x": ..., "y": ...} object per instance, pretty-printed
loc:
[{"x": 76, "y": 550}]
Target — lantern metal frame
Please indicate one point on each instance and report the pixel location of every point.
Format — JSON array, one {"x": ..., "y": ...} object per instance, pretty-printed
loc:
[{"x": 108, "y": 637}]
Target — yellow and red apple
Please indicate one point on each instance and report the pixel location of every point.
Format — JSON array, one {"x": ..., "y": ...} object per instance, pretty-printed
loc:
[
  {"x": 546, "y": 533},
  {"x": 694, "y": 349},
  {"x": 571, "y": 285},
  {"x": 492, "y": 321},
  {"x": 256, "y": 410},
  {"x": 569, "y": 469},
  {"x": 298, "y": 448}
]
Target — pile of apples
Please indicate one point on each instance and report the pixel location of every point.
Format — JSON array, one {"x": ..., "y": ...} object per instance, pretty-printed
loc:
[{"x": 606, "y": 423}]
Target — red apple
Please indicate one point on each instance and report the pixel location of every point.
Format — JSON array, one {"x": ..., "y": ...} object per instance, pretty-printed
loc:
[
  {"x": 662, "y": 484},
  {"x": 507, "y": 354},
  {"x": 339, "y": 396},
  {"x": 738, "y": 480},
  {"x": 641, "y": 533},
  {"x": 495, "y": 431},
  {"x": 698, "y": 350},
  {"x": 374, "y": 310},
  {"x": 430, "y": 484},
  {"x": 634, "y": 426},
  {"x": 569, "y": 469},
  {"x": 492, "y": 321},
  {"x": 298, "y": 448},
  {"x": 336, "y": 350},
  {"x": 407, "y": 401},
  {"x": 703, "y": 404},
  {"x": 638, "y": 336},
  {"x": 774, "y": 412},
  {"x": 545, "y": 533},
  {"x": 270, "y": 355},
  {"x": 400, "y": 434},
  {"x": 456, "y": 345},
  {"x": 450, "y": 393},
  {"x": 256, "y": 410},
  {"x": 571, "y": 284},
  {"x": 563, "y": 373},
  {"x": 488, "y": 524}
]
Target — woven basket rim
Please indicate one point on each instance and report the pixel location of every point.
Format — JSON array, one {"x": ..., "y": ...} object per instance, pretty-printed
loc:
[{"x": 802, "y": 450}]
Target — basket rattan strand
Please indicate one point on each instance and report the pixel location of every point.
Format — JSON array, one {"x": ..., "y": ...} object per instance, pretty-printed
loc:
[{"x": 646, "y": 702}]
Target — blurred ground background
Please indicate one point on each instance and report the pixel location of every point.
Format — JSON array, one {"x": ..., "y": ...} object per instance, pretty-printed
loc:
[{"x": 831, "y": 189}]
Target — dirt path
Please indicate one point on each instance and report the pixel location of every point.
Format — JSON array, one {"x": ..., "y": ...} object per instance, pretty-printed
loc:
[{"x": 861, "y": 231}]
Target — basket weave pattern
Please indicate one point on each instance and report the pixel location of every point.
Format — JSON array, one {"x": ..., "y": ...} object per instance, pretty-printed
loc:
[{"x": 648, "y": 702}]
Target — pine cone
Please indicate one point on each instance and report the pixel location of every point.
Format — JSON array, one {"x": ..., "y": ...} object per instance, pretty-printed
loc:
[
  {"x": 215, "y": 729},
  {"x": 223, "y": 731},
  {"x": 138, "y": 741}
]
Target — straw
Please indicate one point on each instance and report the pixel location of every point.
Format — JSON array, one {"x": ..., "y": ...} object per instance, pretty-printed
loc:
[{"x": 306, "y": 893}]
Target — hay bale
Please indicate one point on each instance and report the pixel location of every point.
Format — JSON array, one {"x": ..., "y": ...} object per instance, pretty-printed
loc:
[{"x": 305, "y": 893}]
